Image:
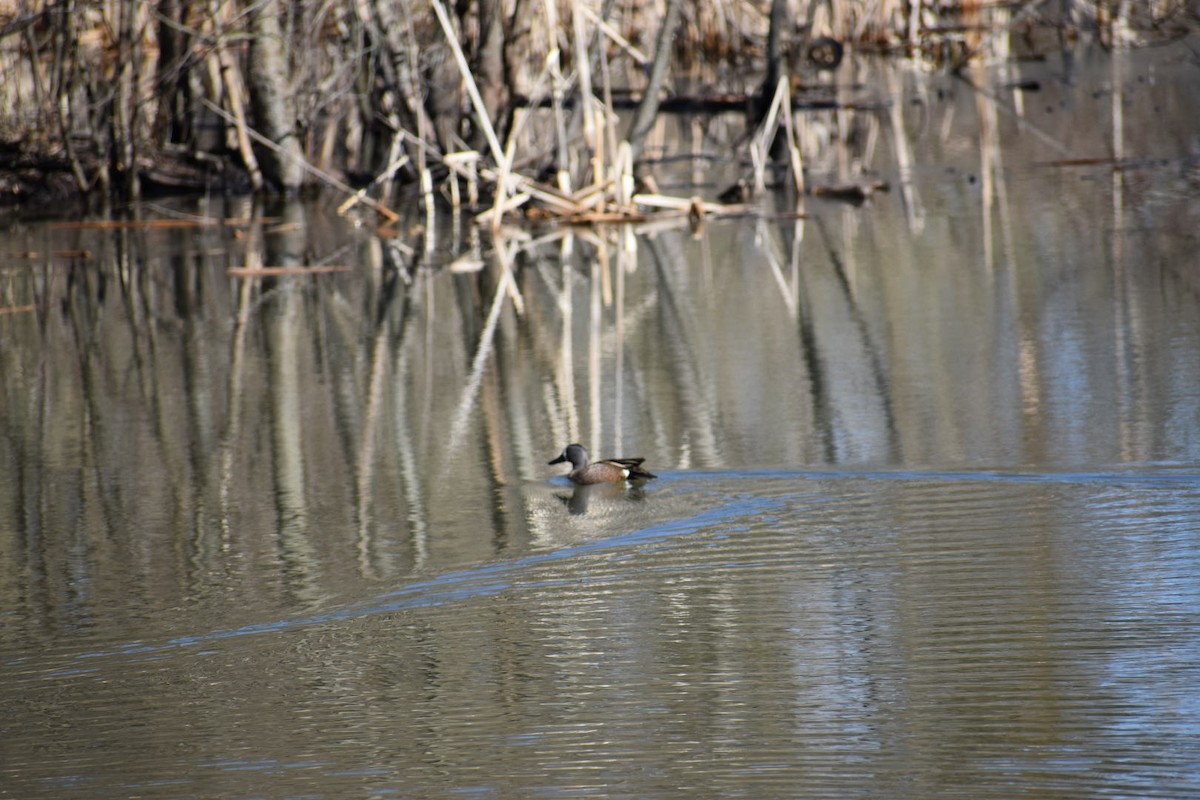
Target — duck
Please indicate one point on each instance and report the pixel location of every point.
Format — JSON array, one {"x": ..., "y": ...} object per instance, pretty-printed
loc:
[{"x": 584, "y": 471}]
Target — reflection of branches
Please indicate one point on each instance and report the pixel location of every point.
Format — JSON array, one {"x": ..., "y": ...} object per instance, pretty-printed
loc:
[
  {"x": 411, "y": 475},
  {"x": 789, "y": 286},
  {"x": 506, "y": 287},
  {"x": 237, "y": 359},
  {"x": 84, "y": 315},
  {"x": 284, "y": 326},
  {"x": 878, "y": 374},
  {"x": 913, "y": 205},
  {"x": 682, "y": 362},
  {"x": 366, "y": 434}
]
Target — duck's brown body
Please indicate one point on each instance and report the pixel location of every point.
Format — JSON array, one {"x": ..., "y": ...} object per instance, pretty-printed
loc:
[{"x": 610, "y": 470}]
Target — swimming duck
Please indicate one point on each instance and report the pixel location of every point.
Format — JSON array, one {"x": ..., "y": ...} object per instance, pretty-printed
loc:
[{"x": 607, "y": 471}]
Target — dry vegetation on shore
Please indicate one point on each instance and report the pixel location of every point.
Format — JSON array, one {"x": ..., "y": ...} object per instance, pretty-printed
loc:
[{"x": 497, "y": 104}]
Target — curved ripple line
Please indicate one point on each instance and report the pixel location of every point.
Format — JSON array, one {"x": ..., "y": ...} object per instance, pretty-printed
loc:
[
  {"x": 481, "y": 581},
  {"x": 1157, "y": 475}
]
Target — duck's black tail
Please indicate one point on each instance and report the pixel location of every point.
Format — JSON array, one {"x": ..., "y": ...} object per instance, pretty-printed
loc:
[{"x": 636, "y": 471}]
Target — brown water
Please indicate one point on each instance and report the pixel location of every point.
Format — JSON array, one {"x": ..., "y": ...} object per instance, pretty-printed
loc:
[{"x": 926, "y": 523}]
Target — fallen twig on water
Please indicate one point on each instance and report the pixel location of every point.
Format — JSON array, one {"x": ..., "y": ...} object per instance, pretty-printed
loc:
[
  {"x": 31, "y": 255},
  {"x": 693, "y": 205},
  {"x": 851, "y": 192},
  {"x": 271, "y": 272},
  {"x": 118, "y": 224}
]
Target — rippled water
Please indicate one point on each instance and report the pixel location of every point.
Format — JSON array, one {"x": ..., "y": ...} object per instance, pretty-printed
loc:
[
  {"x": 926, "y": 522},
  {"x": 800, "y": 634}
]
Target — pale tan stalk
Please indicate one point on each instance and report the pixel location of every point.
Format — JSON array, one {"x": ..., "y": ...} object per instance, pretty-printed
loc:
[
  {"x": 616, "y": 37},
  {"x": 557, "y": 91},
  {"x": 464, "y": 69},
  {"x": 583, "y": 67}
]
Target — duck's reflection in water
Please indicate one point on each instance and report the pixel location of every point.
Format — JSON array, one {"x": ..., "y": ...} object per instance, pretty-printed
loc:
[{"x": 600, "y": 495}]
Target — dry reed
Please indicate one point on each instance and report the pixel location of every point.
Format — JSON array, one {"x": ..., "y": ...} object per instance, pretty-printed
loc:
[{"x": 115, "y": 96}]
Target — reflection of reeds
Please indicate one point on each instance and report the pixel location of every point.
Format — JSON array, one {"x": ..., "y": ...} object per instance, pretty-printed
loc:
[{"x": 146, "y": 366}]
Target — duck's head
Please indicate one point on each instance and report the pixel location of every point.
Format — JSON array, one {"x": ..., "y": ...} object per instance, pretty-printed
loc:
[{"x": 575, "y": 453}]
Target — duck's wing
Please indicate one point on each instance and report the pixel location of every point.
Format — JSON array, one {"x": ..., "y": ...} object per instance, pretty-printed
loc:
[
  {"x": 633, "y": 468},
  {"x": 626, "y": 463}
]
